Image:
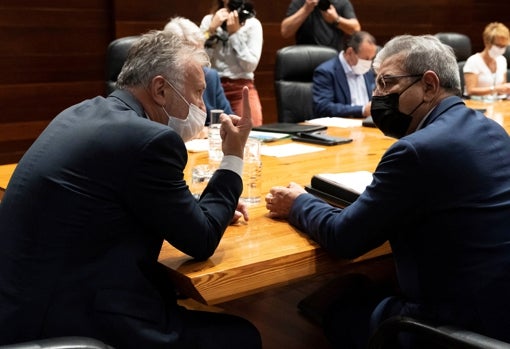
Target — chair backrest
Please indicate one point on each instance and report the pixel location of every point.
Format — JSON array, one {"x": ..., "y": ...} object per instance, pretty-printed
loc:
[
  {"x": 507, "y": 56},
  {"x": 294, "y": 79},
  {"x": 460, "y": 43},
  {"x": 443, "y": 336},
  {"x": 60, "y": 343},
  {"x": 116, "y": 55},
  {"x": 461, "y": 73}
]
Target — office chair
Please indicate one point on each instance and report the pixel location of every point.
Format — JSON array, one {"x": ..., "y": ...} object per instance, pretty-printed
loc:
[
  {"x": 462, "y": 82},
  {"x": 460, "y": 43},
  {"x": 437, "y": 336},
  {"x": 294, "y": 79},
  {"x": 60, "y": 343},
  {"x": 116, "y": 54},
  {"x": 507, "y": 56}
]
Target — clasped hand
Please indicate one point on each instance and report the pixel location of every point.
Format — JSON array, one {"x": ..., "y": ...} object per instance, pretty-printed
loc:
[{"x": 280, "y": 199}]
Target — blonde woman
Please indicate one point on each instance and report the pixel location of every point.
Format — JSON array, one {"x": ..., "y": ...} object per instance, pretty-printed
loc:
[{"x": 485, "y": 73}]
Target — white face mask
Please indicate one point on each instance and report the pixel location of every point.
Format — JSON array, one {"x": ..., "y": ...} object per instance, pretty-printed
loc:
[
  {"x": 496, "y": 51},
  {"x": 192, "y": 125},
  {"x": 362, "y": 67}
]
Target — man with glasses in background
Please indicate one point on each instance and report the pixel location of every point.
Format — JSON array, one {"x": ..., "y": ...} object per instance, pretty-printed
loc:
[
  {"x": 440, "y": 195},
  {"x": 343, "y": 85}
]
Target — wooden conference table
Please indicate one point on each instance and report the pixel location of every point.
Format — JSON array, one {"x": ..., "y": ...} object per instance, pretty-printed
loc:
[{"x": 265, "y": 252}]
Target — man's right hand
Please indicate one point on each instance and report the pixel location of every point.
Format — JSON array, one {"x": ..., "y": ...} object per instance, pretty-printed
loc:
[{"x": 235, "y": 130}]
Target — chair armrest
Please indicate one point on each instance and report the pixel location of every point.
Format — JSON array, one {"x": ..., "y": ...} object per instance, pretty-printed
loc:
[
  {"x": 445, "y": 336},
  {"x": 60, "y": 343}
]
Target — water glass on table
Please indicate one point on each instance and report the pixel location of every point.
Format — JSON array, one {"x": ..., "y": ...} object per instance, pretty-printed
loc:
[
  {"x": 252, "y": 172},
  {"x": 215, "y": 152},
  {"x": 200, "y": 176}
]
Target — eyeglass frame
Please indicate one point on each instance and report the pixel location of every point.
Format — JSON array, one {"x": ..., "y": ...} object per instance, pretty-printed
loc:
[{"x": 383, "y": 77}]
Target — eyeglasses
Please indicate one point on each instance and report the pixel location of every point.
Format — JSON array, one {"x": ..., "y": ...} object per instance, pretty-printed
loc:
[{"x": 385, "y": 82}]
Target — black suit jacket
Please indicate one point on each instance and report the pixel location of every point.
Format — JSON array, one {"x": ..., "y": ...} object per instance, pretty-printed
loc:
[
  {"x": 331, "y": 92},
  {"x": 83, "y": 221}
]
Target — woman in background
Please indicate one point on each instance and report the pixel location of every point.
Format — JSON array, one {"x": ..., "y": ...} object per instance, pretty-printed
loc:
[
  {"x": 485, "y": 72},
  {"x": 234, "y": 45}
]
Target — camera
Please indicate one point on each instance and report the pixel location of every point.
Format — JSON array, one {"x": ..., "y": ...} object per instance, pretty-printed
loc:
[
  {"x": 324, "y": 5},
  {"x": 244, "y": 9}
]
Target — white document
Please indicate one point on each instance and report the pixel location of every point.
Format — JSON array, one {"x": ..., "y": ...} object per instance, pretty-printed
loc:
[
  {"x": 336, "y": 122},
  {"x": 268, "y": 136},
  {"x": 288, "y": 149},
  {"x": 197, "y": 145},
  {"x": 354, "y": 181}
]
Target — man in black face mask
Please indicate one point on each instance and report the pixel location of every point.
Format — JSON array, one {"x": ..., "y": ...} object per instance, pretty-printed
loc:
[
  {"x": 385, "y": 109},
  {"x": 440, "y": 195}
]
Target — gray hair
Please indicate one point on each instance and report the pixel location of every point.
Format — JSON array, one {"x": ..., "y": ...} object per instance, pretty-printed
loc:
[
  {"x": 159, "y": 53},
  {"x": 187, "y": 30},
  {"x": 422, "y": 53}
]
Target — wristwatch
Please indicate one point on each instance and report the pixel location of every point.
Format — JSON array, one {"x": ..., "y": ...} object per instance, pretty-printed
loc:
[{"x": 337, "y": 20}]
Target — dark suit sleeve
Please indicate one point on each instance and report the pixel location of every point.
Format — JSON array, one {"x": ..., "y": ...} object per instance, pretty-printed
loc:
[
  {"x": 214, "y": 95},
  {"x": 221, "y": 100},
  {"x": 331, "y": 97},
  {"x": 163, "y": 203},
  {"x": 386, "y": 206}
]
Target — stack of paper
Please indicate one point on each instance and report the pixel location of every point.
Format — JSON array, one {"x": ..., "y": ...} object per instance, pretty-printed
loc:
[{"x": 336, "y": 122}]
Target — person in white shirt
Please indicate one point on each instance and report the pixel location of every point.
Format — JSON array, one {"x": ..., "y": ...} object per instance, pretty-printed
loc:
[
  {"x": 234, "y": 46},
  {"x": 485, "y": 73}
]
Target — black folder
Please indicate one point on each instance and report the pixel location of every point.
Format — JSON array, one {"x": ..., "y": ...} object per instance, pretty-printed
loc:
[
  {"x": 287, "y": 127},
  {"x": 368, "y": 122},
  {"x": 329, "y": 198},
  {"x": 335, "y": 192}
]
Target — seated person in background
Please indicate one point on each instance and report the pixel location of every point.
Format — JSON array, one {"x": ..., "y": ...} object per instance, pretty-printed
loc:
[
  {"x": 214, "y": 96},
  {"x": 343, "y": 85},
  {"x": 312, "y": 24},
  {"x": 92, "y": 201},
  {"x": 485, "y": 72},
  {"x": 440, "y": 195},
  {"x": 234, "y": 45}
]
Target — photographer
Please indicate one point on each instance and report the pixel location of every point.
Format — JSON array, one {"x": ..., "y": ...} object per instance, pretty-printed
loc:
[
  {"x": 320, "y": 22},
  {"x": 234, "y": 45}
]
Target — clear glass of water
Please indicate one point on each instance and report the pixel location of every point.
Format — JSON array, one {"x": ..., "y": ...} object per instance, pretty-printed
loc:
[
  {"x": 252, "y": 173},
  {"x": 200, "y": 176},
  {"x": 215, "y": 152}
]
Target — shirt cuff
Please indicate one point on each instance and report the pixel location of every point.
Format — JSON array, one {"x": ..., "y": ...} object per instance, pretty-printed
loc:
[{"x": 232, "y": 163}]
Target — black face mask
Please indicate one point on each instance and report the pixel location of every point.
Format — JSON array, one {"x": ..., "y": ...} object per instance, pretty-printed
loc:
[{"x": 387, "y": 117}]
